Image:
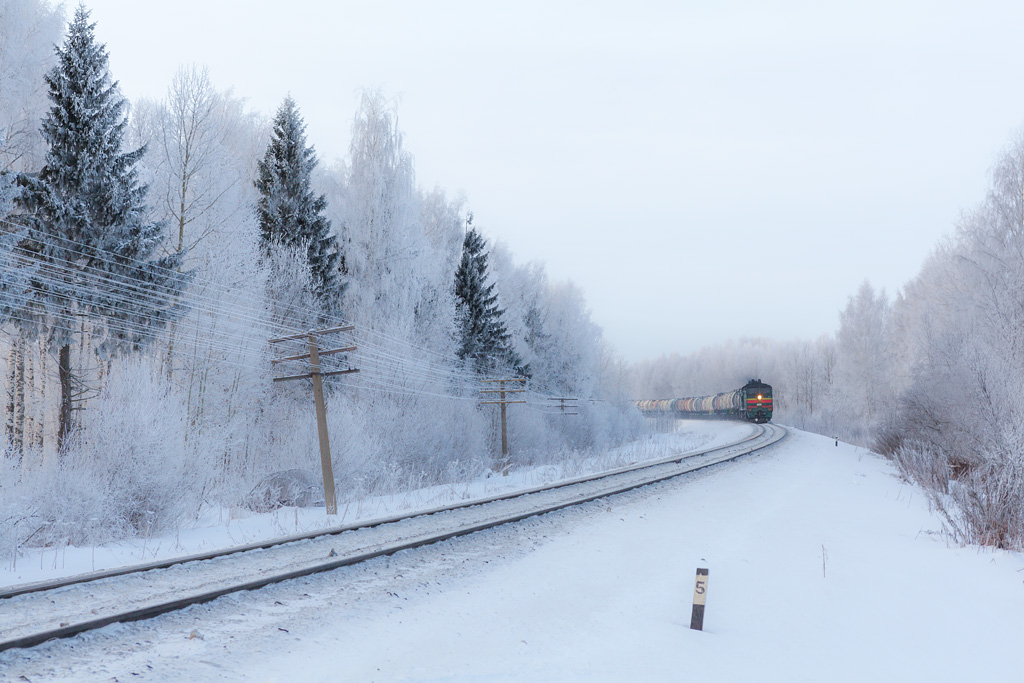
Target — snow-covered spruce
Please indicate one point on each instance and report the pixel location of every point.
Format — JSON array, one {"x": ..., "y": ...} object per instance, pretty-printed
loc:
[
  {"x": 291, "y": 215},
  {"x": 88, "y": 223},
  {"x": 484, "y": 342}
]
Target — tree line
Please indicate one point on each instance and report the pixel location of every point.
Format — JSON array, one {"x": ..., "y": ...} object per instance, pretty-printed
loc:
[
  {"x": 150, "y": 251},
  {"x": 930, "y": 377}
]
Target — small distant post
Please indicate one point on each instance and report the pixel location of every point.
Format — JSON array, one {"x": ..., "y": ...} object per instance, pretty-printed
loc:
[
  {"x": 564, "y": 403},
  {"x": 700, "y": 594},
  {"x": 503, "y": 402}
]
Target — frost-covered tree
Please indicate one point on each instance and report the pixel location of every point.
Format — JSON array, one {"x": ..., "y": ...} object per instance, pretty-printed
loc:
[
  {"x": 573, "y": 355},
  {"x": 149, "y": 451},
  {"x": 537, "y": 340},
  {"x": 442, "y": 222},
  {"x": 863, "y": 372},
  {"x": 88, "y": 230},
  {"x": 388, "y": 257},
  {"x": 189, "y": 140},
  {"x": 959, "y": 427},
  {"x": 8, "y": 191},
  {"x": 14, "y": 285},
  {"x": 483, "y": 339},
  {"x": 28, "y": 31},
  {"x": 290, "y": 214}
]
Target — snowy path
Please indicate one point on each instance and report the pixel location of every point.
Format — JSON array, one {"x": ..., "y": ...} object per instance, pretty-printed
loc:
[{"x": 603, "y": 593}]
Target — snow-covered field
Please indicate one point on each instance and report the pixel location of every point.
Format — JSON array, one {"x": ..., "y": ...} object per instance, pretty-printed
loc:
[{"x": 823, "y": 566}]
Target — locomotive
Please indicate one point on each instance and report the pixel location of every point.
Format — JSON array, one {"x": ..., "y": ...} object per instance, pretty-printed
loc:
[{"x": 752, "y": 402}]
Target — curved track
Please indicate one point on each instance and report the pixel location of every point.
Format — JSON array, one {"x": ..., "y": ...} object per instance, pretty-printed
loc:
[{"x": 67, "y": 607}]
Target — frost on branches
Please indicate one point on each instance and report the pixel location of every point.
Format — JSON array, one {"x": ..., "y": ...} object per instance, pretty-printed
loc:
[
  {"x": 100, "y": 279},
  {"x": 484, "y": 342},
  {"x": 290, "y": 214}
]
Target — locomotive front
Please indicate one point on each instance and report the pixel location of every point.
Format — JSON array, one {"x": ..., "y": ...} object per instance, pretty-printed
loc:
[{"x": 757, "y": 401}]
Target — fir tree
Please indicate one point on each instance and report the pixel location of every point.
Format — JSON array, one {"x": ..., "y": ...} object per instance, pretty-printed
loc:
[
  {"x": 483, "y": 338},
  {"x": 290, "y": 214},
  {"x": 537, "y": 339},
  {"x": 88, "y": 230}
]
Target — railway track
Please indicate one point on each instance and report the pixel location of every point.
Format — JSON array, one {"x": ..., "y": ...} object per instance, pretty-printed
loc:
[{"x": 32, "y": 614}]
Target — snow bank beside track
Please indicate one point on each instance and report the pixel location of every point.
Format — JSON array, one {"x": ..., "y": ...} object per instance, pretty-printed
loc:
[
  {"x": 225, "y": 528},
  {"x": 823, "y": 566}
]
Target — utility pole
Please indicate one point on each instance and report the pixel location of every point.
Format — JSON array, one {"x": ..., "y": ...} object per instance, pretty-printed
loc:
[
  {"x": 316, "y": 374},
  {"x": 566, "y": 405},
  {"x": 503, "y": 402}
]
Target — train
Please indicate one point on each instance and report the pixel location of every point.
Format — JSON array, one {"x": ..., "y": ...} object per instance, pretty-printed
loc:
[{"x": 751, "y": 402}]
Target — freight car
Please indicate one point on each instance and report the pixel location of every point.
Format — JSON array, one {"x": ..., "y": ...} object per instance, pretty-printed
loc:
[{"x": 752, "y": 402}]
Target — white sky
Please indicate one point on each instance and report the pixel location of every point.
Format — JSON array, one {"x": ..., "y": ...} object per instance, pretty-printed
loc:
[{"x": 704, "y": 171}]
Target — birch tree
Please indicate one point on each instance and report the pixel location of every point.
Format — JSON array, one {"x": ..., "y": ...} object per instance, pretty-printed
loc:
[
  {"x": 382, "y": 239},
  {"x": 88, "y": 229},
  {"x": 862, "y": 352},
  {"x": 28, "y": 31}
]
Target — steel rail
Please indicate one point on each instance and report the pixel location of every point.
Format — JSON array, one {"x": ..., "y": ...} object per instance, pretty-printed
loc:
[
  {"x": 22, "y": 589},
  {"x": 724, "y": 453}
]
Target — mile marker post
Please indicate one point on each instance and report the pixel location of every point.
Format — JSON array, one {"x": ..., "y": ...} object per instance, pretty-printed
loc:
[{"x": 700, "y": 594}]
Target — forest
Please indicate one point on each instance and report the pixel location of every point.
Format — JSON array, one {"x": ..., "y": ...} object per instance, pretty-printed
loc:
[
  {"x": 929, "y": 378},
  {"x": 150, "y": 251}
]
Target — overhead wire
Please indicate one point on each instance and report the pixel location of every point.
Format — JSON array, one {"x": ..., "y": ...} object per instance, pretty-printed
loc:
[
  {"x": 437, "y": 370},
  {"x": 212, "y": 306},
  {"x": 376, "y": 348},
  {"x": 450, "y": 367}
]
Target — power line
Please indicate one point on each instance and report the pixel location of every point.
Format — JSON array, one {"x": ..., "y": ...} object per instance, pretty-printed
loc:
[{"x": 396, "y": 362}]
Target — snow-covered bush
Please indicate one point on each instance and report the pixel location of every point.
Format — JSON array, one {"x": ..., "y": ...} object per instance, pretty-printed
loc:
[
  {"x": 129, "y": 472},
  {"x": 958, "y": 426}
]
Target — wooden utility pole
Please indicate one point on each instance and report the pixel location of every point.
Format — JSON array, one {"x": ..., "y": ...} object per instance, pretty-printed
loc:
[
  {"x": 317, "y": 375},
  {"x": 566, "y": 405},
  {"x": 503, "y": 402}
]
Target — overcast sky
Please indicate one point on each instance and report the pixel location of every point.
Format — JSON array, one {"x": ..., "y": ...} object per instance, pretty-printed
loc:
[{"x": 703, "y": 171}]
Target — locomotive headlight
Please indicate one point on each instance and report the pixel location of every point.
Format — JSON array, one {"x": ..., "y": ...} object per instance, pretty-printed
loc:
[{"x": 759, "y": 397}]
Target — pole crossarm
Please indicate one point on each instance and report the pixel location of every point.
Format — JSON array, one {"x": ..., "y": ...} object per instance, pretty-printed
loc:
[
  {"x": 319, "y": 333},
  {"x": 310, "y": 375},
  {"x": 332, "y": 330},
  {"x": 503, "y": 391},
  {"x": 499, "y": 403},
  {"x": 347, "y": 371},
  {"x": 303, "y": 356}
]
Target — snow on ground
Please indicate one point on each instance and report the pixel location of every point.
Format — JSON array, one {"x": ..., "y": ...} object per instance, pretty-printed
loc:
[
  {"x": 611, "y": 599},
  {"x": 222, "y": 528},
  {"x": 823, "y": 565}
]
